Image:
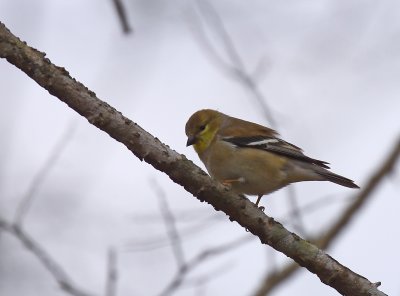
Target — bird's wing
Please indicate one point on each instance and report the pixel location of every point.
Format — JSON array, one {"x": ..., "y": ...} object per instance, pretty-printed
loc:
[{"x": 274, "y": 145}]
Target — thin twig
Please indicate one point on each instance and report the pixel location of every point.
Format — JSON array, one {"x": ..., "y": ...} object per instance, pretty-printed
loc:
[
  {"x": 183, "y": 216},
  {"x": 160, "y": 242},
  {"x": 214, "y": 21},
  {"x": 197, "y": 28},
  {"x": 272, "y": 280},
  {"x": 209, "y": 275},
  {"x": 177, "y": 281},
  {"x": 112, "y": 274},
  {"x": 317, "y": 204},
  {"x": 297, "y": 221},
  {"x": 169, "y": 220},
  {"x": 122, "y": 16},
  {"x": 55, "y": 269},
  {"x": 236, "y": 68},
  {"x": 42, "y": 174}
]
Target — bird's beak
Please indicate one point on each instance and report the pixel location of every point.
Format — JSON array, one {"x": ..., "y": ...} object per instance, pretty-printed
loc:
[{"x": 191, "y": 140}]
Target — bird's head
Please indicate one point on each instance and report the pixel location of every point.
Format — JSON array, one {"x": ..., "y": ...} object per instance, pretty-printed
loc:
[{"x": 201, "y": 128}]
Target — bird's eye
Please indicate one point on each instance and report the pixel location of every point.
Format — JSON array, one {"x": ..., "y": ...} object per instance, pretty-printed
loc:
[{"x": 202, "y": 127}]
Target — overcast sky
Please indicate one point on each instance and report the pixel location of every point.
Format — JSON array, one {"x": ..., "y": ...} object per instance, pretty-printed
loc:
[{"x": 328, "y": 70}]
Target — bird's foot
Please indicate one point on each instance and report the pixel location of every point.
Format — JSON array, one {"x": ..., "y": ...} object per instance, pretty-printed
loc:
[{"x": 258, "y": 201}]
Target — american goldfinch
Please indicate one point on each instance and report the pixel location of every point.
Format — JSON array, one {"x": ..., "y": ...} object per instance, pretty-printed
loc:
[{"x": 251, "y": 158}]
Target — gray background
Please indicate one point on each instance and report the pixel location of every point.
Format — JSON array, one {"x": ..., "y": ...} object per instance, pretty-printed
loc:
[{"x": 330, "y": 74}]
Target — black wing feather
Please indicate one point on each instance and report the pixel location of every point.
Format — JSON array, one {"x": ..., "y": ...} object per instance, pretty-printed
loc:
[{"x": 274, "y": 145}]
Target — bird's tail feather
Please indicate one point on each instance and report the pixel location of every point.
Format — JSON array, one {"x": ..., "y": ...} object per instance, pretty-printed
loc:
[{"x": 335, "y": 178}]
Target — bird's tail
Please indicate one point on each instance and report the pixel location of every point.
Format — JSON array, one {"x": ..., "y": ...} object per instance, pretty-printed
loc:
[{"x": 335, "y": 178}]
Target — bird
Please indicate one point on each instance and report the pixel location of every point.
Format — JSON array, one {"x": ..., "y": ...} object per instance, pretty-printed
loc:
[{"x": 250, "y": 158}]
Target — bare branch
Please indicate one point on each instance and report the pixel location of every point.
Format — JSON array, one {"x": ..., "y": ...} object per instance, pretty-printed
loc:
[
  {"x": 185, "y": 269},
  {"x": 236, "y": 68},
  {"x": 121, "y": 13},
  {"x": 169, "y": 221},
  {"x": 324, "y": 241},
  {"x": 42, "y": 174},
  {"x": 47, "y": 261},
  {"x": 214, "y": 21},
  {"x": 183, "y": 216},
  {"x": 209, "y": 276},
  {"x": 60, "y": 84},
  {"x": 323, "y": 201},
  {"x": 297, "y": 220},
  {"x": 199, "y": 32},
  {"x": 112, "y": 274},
  {"x": 160, "y": 242}
]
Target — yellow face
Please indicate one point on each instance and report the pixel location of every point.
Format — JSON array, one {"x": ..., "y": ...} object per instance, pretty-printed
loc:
[{"x": 201, "y": 129}]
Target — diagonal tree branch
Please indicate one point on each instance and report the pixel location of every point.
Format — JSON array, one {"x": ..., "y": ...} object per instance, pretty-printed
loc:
[
  {"x": 182, "y": 171},
  {"x": 42, "y": 174},
  {"x": 169, "y": 221},
  {"x": 55, "y": 269}
]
